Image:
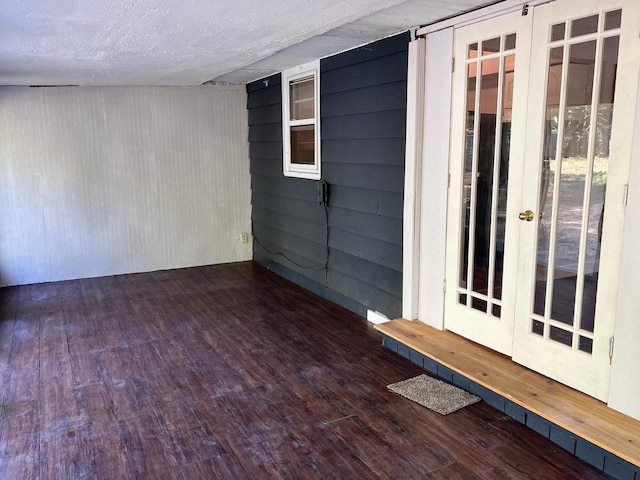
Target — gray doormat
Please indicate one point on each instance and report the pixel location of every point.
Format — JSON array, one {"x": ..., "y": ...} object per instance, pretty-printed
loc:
[{"x": 434, "y": 394}]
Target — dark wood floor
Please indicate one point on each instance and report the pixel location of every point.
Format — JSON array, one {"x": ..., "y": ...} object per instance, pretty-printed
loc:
[{"x": 227, "y": 372}]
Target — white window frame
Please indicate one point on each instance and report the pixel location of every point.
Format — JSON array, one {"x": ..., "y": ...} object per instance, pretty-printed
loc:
[{"x": 293, "y": 169}]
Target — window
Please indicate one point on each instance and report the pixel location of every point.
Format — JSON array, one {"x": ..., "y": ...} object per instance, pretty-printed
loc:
[{"x": 301, "y": 121}]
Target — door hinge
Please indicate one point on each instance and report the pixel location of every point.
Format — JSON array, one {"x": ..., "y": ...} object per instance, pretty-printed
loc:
[
  {"x": 525, "y": 10},
  {"x": 625, "y": 196},
  {"x": 444, "y": 286},
  {"x": 448, "y": 180},
  {"x": 453, "y": 64},
  {"x": 610, "y": 350}
]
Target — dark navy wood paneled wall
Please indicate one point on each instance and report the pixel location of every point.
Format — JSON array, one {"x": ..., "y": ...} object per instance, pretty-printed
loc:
[{"x": 363, "y": 108}]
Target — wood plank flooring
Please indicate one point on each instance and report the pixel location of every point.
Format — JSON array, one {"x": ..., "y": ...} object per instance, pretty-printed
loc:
[{"x": 228, "y": 372}]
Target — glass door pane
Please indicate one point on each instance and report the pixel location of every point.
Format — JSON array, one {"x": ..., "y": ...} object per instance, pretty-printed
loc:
[
  {"x": 490, "y": 69},
  {"x": 579, "y": 109}
]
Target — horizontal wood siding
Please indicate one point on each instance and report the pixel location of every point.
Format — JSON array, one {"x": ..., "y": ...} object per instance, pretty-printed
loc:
[
  {"x": 363, "y": 109},
  {"x": 100, "y": 181}
]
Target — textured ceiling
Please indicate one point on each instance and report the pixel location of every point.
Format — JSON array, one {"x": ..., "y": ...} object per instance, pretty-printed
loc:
[{"x": 177, "y": 42}]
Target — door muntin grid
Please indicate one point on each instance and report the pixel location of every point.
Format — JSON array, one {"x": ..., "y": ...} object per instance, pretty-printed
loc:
[
  {"x": 582, "y": 65},
  {"x": 490, "y": 65}
]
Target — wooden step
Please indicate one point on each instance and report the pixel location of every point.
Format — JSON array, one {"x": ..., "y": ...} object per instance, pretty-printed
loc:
[{"x": 580, "y": 414}]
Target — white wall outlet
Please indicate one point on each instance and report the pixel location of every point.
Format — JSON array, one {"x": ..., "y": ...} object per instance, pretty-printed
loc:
[{"x": 244, "y": 237}]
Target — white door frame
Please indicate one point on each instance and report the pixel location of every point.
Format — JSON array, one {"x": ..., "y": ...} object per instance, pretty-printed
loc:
[
  {"x": 427, "y": 170},
  {"x": 483, "y": 326},
  {"x": 427, "y": 144},
  {"x": 624, "y": 389},
  {"x": 424, "y": 270}
]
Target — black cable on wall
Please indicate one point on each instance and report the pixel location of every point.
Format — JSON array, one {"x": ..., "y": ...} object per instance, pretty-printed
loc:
[{"x": 323, "y": 194}]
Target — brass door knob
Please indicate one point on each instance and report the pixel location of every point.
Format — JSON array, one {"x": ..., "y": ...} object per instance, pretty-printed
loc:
[{"x": 527, "y": 215}]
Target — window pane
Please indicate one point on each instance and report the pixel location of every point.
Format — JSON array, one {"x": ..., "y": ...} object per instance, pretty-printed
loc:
[
  {"x": 537, "y": 327},
  {"x": 468, "y": 164},
  {"x": 302, "y": 99},
  {"x": 484, "y": 174},
  {"x": 561, "y": 336},
  {"x": 510, "y": 42},
  {"x": 599, "y": 180},
  {"x": 502, "y": 174},
  {"x": 485, "y": 178},
  {"x": 478, "y": 304},
  {"x": 472, "y": 51},
  {"x": 303, "y": 145},
  {"x": 585, "y": 344},
  {"x": 573, "y": 178},
  {"x": 584, "y": 26},
  {"x": 548, "y": 172},
  {"x": 612, "y": 20},
  {"x": 557, "y": 32},
  {"x": 491, "y": 46}
]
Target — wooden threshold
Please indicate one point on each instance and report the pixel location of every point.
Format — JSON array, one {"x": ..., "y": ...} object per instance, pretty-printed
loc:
[{"x": 580, "y": 414}]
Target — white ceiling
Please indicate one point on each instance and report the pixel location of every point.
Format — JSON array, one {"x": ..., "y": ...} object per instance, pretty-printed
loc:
[{"x": 178, "y": 42}]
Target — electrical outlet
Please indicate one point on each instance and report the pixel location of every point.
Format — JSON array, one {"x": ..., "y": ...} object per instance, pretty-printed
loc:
[
  {"x": 244, "y": 237},
  {"x": 323, "y": 192}
]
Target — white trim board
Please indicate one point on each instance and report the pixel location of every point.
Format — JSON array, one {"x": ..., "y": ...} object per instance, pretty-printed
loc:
[
  {"x": 624, "y": 387},
  {"x": 413, "y": 179},
  {"x": 376, "y": 318},
  {"x": 424, "y": 244},
  {"x": 475, "y": 16}
]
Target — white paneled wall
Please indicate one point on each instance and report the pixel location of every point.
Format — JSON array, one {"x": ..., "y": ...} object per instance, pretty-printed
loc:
[{"x": 101, "y": 181}]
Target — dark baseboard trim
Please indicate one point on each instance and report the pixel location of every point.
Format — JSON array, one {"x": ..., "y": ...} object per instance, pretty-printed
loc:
[{"x": 313, "y": 286}]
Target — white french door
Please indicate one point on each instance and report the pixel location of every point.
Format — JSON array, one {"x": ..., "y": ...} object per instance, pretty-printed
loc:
[
  {"x": 491, "y": 72},
  {"x": 539, "y": 160}
]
